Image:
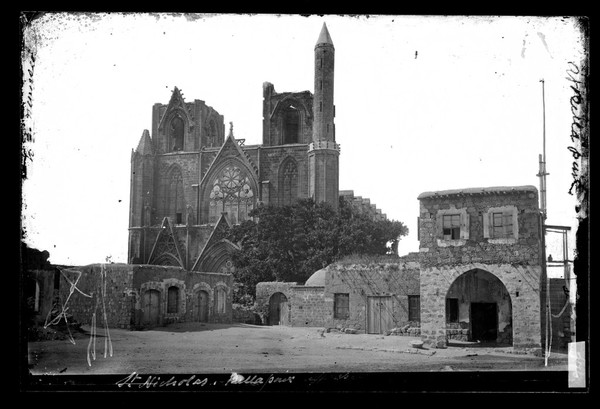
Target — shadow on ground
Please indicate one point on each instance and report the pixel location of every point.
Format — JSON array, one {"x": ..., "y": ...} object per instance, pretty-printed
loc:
[
  {"x": 475, "y": 344},
  {"x": 201, "y": 326}
]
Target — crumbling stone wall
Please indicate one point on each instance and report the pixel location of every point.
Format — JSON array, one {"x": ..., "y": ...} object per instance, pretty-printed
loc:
[
  {"x": 90, "y": 291},
  {"x": 515, "y": 261}
]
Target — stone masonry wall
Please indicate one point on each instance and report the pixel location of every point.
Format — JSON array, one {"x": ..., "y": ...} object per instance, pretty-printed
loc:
[
  {"x": 310, "y": 307},
  {"x": 110, "y": 288},
  {"x": 120, "y": 289},
  {"x": 189, "y": 283},
  {"x": 515, "y": 260},
  {"x": 45, "y": 281},
  {"x": 187, "y": 163},
  {"x": 521, "y": 282},
  {"x": 478, "y": 249},
  {"x": 360, "y": 281},
  {"x": 271, "y": 160},
  {"x": 265, "y": 290}
]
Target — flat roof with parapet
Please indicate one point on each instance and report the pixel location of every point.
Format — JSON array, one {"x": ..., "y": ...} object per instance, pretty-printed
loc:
[{"x": 478, "y": 191}]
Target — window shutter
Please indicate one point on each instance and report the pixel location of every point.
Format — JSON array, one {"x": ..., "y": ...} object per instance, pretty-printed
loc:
[
  {"x": 439, "y": 228},
  {"x": 515, "y": 216},
  {"x": 486, "y": 225},
  {"x": 464, "y": 226}
]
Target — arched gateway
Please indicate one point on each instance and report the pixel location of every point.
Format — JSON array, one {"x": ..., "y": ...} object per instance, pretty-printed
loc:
[
  {"x": 478, "y": 301},
  {"x": 478, "y": 308},
  {"x": 279, "y": 309}
]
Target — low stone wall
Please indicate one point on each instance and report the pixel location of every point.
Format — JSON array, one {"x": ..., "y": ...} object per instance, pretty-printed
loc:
[
  {"x": 91, "y": 291},
  {"x": 244, "y": 315},
  {"x": 411, "y": 329}
]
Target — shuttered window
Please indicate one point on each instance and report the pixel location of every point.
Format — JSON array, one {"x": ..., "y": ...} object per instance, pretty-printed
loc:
[
  {"x": 341, "y": 306},
  {"x": 502, "y": 224},
  {"x": 414, "y": 308}
]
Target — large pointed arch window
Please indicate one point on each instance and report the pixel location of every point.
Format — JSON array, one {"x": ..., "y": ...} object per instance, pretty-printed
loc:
[
  {"x": 231, "y": 192},
  {"x": 288, "y": 182},
  {"x": 176, "y": 133},
  {"x": 211, "y": 139},
  {"x": 291, "y": 124},
  {"x": 175, "y": 199}
]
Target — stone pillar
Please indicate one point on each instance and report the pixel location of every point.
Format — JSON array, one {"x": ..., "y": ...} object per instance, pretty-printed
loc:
[{"x": 433, "y": 307}]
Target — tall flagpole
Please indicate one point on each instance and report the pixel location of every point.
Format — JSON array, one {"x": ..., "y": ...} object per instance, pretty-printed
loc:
[{"x": 544, "y": 213}]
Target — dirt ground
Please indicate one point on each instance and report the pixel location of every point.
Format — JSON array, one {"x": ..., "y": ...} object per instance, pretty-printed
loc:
[{"x": 218, "y": 348}]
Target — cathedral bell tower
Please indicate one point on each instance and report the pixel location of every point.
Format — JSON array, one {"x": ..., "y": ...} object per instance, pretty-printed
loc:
[{"x": 323, "y": 151}]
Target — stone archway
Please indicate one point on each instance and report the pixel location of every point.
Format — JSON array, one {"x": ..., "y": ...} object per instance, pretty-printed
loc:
[
  {"x": 278, "y": 309},
  {"x": 521, "y": 283},
  {"x": 478, "y": 308}
]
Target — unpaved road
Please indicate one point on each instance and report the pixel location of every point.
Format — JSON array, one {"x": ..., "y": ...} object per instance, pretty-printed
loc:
[{"x": 216, "y": 348}]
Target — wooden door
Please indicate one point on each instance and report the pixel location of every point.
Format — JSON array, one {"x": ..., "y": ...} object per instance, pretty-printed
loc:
[
  {"x": 202, "y": 306},
  {"x": 278, "y": 309},
  {"x": 151, "y": 307},
  {"x": 283, "y": 311},
  {"x": 379, "y": 314}
]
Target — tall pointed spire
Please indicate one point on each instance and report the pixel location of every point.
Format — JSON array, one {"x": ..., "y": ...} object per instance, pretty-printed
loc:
[
  {"x": 145, "y": 145},
  {"x": 324, "y": 37}
]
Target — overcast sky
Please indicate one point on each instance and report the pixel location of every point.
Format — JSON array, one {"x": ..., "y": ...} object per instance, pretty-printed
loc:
[{"x": 422, "y": 103}]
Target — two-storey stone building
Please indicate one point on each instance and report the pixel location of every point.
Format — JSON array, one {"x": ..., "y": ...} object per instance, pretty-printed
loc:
[
  {"x": 476, "y": 277},
  {"x": 480, "y": 263}
]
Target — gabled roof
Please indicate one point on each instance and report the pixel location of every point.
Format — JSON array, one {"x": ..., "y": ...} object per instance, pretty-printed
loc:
[
  {"x": 166, "y": 243},
  {"x": 145, "y": 145},
  {"x": 478, "y": 191},
  {"x": 176, "y": 102},
  {"x": 228, "y": 145},
  {"x": 216, "y": 236}
]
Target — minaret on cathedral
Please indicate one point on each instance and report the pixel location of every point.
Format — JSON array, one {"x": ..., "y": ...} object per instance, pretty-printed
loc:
[
  {"x": 190, "y": 180},
  {"x": 323, "y": 151}
]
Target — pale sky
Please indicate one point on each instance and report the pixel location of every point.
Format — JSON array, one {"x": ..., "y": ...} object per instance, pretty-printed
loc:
[{"x": 422, "y": 103}]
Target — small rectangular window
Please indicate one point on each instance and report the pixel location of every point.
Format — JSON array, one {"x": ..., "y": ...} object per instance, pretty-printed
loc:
[
  {"x": 341, "y": 305},
  {"x": 452, "y": 309},
  {"x": 320, "y": 106},
  {"x": 451, "y": 226},
  {"x": 502, "y": 225},
  {"x": 414, "y": 308},
  {"x": 178, "y": 218}
]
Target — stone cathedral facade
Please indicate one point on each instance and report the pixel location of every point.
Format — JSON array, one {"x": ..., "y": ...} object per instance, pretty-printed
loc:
[{"x": 191, "y": 178}]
